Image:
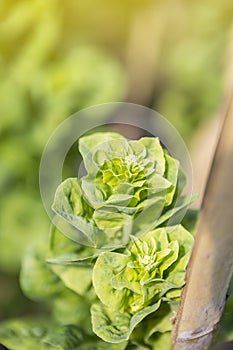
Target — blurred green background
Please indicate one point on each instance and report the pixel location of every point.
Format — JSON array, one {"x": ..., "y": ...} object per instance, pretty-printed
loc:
[{"x": 57, "y": 57}]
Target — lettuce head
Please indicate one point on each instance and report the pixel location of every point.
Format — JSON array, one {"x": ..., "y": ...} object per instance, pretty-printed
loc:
[{"x": 130, "y": 187}]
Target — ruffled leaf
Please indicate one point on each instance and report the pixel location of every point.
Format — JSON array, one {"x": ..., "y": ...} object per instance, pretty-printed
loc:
[
  {"x": 88, "y": 144},
  {"x": 69, "y": 204},
  {"x": 115, "y": 326},
  {"x": 154, "y": 152},
  {"x": 106, "y": 267}
]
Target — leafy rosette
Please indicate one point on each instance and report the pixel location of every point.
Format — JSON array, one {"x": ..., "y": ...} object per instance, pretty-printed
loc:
[
  {"x": 126, "y": 174},
  {"x": 117, "y": 256},
  {"x": 131, "y": 186},
  {"x": 134, "y": 284}
]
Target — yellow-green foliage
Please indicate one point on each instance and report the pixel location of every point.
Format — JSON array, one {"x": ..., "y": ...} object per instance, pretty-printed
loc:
[{"x": 44, "y": 78}]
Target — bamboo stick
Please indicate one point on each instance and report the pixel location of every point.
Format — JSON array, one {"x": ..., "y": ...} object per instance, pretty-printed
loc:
[{"x": 210, "y": 268}]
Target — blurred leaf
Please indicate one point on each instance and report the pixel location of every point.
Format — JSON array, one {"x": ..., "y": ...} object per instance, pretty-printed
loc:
[
  {"x": 37, "y": 279},
  {"x": 161, "y": 341},
  {"x": 22, "y": 221},
  {"x": 66, "y": 337},
  {"x": 226, "y": 325},
  {"x": 23, "y": 334},
  {"x": 70, "y": 337},
  {"x": 42, "y": 83},
  {"x": 70, "y": 308},
  {"x": 76, "y": 278}
]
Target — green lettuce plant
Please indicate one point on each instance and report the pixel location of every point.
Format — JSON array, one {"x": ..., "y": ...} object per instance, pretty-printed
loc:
[
  {"x": 115, "y": 266},
  {"x": 133, "y": 284},
  {"x": 130, "y": 187}
]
